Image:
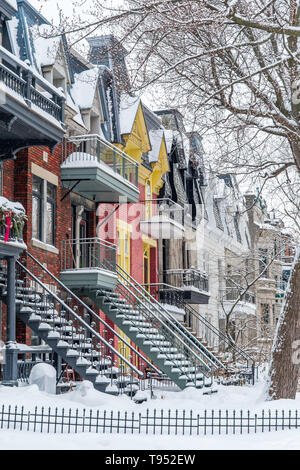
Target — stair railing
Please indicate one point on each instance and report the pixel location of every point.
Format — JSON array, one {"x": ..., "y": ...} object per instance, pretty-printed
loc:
[
  {"x": 96, "y": 317},
  {"x": 153, "y": 315},
  {"x": 64, "y": 317},
  {"x": 167, "y": 318},
  {"x": 240, "y": 352},
  {"x": 146, "y": 315}
]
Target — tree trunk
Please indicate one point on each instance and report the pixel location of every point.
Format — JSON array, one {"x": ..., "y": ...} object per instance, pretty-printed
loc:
[{"x": 285, "y": 362}]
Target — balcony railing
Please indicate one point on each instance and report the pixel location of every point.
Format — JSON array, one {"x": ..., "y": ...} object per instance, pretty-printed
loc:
[
  {"x": 233, "y": 294},
  {"x": 18, "y": 77},
  {"x": 187, "y": 278},
  {"x": 86, "y": 150},
  {"x": 87, "y": 254},
  {"x": 166, "y": 294}
]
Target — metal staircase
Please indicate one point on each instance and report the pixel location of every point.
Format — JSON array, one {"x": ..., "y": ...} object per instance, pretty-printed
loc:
[
  {"x": 169, "y": 345},
  {"x": 241, "y": 362},
  {"x": 56, "y": 318}
]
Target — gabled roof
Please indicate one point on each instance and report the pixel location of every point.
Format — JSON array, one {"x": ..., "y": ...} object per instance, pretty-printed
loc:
[
  {"x": 46, "y": 48},
  {"x": 156, "y": 140},
  {"x": 129, "y": 106}
]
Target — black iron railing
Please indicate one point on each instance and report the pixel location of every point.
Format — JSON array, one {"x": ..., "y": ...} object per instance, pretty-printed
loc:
[
  {"x": 184, "y": 278},
  {"x": 20, "y": 78},
  {"x": 233, "y": 294}
]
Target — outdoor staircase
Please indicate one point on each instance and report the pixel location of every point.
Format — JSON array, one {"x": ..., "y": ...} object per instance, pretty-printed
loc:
[
  {"x": 164, "y": 344},
  {"x": 242, "y": 364},
  {"x": 167, "y": 343},
  {"x": 76, "y": 342}
]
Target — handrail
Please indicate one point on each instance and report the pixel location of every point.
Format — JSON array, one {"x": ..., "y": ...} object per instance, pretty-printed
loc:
[
  {"x": 55, "y": 106},
  {"x": 218, "y": 333},
  {"x": 165, "y": 314},
  {"x": 94, "y": 314},
  {"x": 165, "y": 326},
  {"x": 80, "y": 320},
  {"x": 73, "y": 139}
]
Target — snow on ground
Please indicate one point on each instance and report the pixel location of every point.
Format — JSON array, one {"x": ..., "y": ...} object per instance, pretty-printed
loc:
[
  {"x": 230, "y": 397},
  {"x": 280, "y": 440}
]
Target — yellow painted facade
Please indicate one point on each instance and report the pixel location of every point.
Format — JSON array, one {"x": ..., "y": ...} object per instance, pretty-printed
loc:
[{"x": 138, "y": 143}]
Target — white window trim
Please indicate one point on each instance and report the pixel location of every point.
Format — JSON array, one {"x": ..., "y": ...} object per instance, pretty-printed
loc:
[{"x": 47, "y": 177}]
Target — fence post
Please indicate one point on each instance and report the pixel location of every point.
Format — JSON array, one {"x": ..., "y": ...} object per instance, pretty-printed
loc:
[
  {"x": 35, "y": 413},
  {"x": 16, "y": 411},
  {"x": 118, "y": 422},
  {"x": 21, "y": 418},
  {"x": 42, "y": 419},
  {"x": 62, "y": 420},
  {"x": 49, "y": 416},
  {"x": 147, "y": 420},
  {"x": 2, "y": 416}
]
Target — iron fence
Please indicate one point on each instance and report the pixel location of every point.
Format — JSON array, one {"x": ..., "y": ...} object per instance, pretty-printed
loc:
[{"x": 162, "y": 422}]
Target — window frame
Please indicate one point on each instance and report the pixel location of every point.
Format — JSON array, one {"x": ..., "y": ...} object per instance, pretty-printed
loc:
[{"x": 44, "y": 198}]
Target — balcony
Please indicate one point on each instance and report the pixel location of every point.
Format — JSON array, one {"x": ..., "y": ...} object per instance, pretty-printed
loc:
[
  {"x": 192, "y": 283},
  {"x": 31, "y": 109},
  {"x": 12, "y": 219},
  {"x": 98, "y": 170},
  {"x": 88, "y": 264},
  {"x": 171, "y": 297},
  {"x": 245, "y": 306},
  {"x": 163, "y": 218}
]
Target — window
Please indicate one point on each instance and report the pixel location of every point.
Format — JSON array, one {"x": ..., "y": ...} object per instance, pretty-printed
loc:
[
  {"x": 265, "y": 313},
  {"x": 43, "y": 210},
  {"x": 217, "y": 215},
  {"x": 263, "y": 262},
  {"x": 50, "y": 222},
  {"x": 148, "y": 193},
  {"x": 37, "y": 198},
  {"x": 237, "y": 228}
]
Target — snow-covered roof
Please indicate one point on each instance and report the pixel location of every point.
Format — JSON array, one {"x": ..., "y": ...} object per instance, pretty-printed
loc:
[
  {"x": 46, "y": 48},
  {"x": 12, "y": 3},
  {"x": 129, "y": 106},
  {"x": 156, "y": 138},
  {"x": 84, "y": 88}
]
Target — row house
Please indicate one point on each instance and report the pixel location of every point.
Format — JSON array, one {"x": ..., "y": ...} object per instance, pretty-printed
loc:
[
  {"x": 273, "y": 251},
  {"x": 87, "y": 162}
]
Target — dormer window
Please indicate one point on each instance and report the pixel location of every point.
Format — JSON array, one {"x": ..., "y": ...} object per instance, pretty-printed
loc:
[{"x": 59, "y": 80}]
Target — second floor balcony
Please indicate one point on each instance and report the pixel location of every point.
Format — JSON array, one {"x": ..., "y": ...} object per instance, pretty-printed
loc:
[
  {"x": 88, "y": 263},
  {"x": 244, "y": 303},
  {"x": 163, "y": 218},
  {"x": 31, "y": 109},
  {"x": 190, "y": 286},
  {"x": 98, "y": 170}
]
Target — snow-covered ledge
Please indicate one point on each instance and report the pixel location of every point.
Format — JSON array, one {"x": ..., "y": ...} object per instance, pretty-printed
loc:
[{"x": 12, "y": 219}]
